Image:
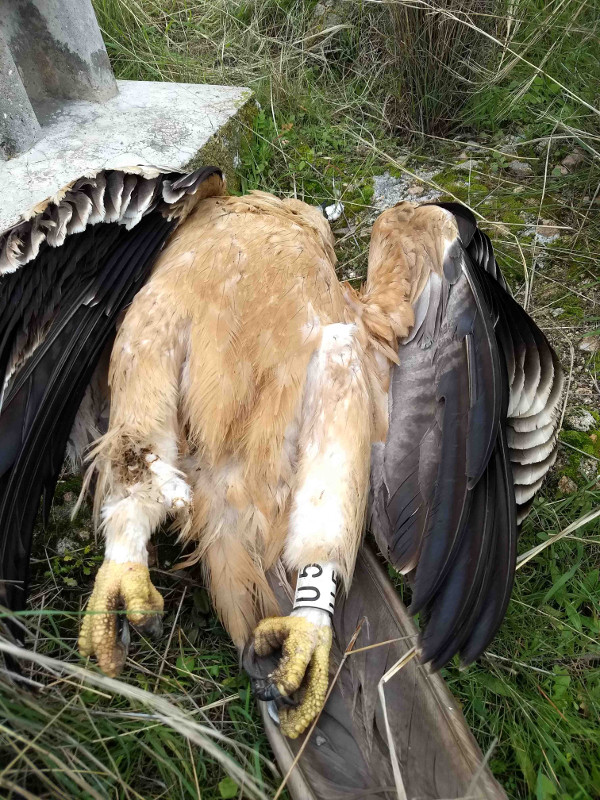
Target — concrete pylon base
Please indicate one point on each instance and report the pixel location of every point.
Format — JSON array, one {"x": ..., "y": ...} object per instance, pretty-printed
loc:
[{"x": 163, "y": 124}]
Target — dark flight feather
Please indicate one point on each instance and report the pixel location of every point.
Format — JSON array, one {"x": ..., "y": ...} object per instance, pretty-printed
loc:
[{"x": 461, "y": 462}]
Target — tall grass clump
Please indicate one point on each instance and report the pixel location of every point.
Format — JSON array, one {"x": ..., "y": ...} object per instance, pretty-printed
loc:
[
  {"x": 547, "y": 70},
  {"x": 409, "y": 63},
  {"x": 437, "y": 55}
]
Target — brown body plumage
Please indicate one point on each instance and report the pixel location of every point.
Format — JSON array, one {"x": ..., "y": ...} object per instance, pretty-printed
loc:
[{"x": 209, "y": 372}]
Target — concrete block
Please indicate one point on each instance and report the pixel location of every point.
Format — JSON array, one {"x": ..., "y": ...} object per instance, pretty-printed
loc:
[
  {"x": 165, "y": 124},
  {"x": 19, "y": 127},
  {"x": 58, "y": 48}
]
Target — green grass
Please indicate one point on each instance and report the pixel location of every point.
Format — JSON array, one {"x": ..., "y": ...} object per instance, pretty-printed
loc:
[
  {"x": 535, "y": 696},
  {"x": 343, "y": 98},
  {"x": 86, "y": 736}
]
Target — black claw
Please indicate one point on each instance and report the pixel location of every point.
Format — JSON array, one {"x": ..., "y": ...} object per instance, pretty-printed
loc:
[
  {"x": 273, "y": 713},
  {"x": 124, "y": 633},
  {"x": 284, "y": 700},
  {"x": 259, "y": 671},
  {"x": 152, "y": 626},
  {"x": 265, "y": 690}
]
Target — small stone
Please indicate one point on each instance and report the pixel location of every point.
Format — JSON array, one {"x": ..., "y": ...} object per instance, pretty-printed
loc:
[
  {"x": 509, "y": 146},
  {"x": 415, "y": 190},
  {"x": 586, "y": 199},
  {"x": 590, "y": 344},
  {"x": 69, "y": 497},
  {"x": 589, "y": 468},
  {"x": 521, "y": 169},
  {"x": 573, "y": 160},
  {"x": 83, "y": 534},
  {"x": 548, "y": 229},
  {"x": 518, "y": 189},
  {"x": 65, "y": 546},
  {"x": 469, "y": 165},
  {"x": 580, "y": 420},
  {"x": 567, "y": 485},
  {"x": 556, "y": 312}
]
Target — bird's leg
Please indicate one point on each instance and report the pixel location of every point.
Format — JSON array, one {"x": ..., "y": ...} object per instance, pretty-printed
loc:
[
  {"x": 304, "y": 638},
  {"x": 139, "y": 478},
  {"x": 123, "y": 581},
  {"x": 326, "y": 518}
]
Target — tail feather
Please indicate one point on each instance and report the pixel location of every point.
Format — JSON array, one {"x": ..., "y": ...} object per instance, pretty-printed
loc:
[{"x": 347, "y": 755}]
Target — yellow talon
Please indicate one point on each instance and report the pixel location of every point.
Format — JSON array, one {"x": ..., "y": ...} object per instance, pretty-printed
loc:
[
  {"x": 117, "y": 586},
  {"x": 303, "y": 667}
]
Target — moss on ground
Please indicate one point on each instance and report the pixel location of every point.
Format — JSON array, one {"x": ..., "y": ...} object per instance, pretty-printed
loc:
[{"x": 223, "y": 149}]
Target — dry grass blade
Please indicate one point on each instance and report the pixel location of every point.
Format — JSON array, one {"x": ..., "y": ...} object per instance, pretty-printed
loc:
[
  {"x": 200, "y": 735},
  {"x": 579, "y": 523},
  {"x": 400, "y": 664}
]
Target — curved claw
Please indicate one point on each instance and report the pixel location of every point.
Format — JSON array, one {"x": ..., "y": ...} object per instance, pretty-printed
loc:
[
  {"x": 259, "y": 671},
  {"x": 152, "y": 626},
  {"x": 124, "y": 633},
  {"x": 265, "y": 690}
]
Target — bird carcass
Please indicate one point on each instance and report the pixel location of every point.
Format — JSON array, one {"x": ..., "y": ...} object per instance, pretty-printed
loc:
[{"x": 272, "y": 413}]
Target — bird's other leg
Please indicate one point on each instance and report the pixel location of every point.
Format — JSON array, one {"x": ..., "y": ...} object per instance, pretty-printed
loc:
[
  {"x": 139, "y": 480},
  {"x": 123, "y": 581},
  {"x": 304, "y": 639},
  {"x": 326, "y": 522},
  {"x": 129, "y": 515}
]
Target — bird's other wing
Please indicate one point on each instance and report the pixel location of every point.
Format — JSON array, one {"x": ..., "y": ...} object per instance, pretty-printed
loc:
[
  {"x": 66, "y": 273},
  {"x": 473, "y": 417}
]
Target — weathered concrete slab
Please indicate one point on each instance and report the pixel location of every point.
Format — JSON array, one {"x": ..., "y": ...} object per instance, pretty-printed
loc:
[{"x": 164, "y": 124}]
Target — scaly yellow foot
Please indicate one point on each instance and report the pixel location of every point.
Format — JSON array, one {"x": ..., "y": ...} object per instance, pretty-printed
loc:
[
  {"x": 118, "y": 586},
  {"x": 303, "y": 667}
]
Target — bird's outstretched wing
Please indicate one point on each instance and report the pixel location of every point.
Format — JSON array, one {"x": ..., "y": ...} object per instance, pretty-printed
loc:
[
  {"x": 66, "y": 273},
  {"x": 473, "y": 417}
]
